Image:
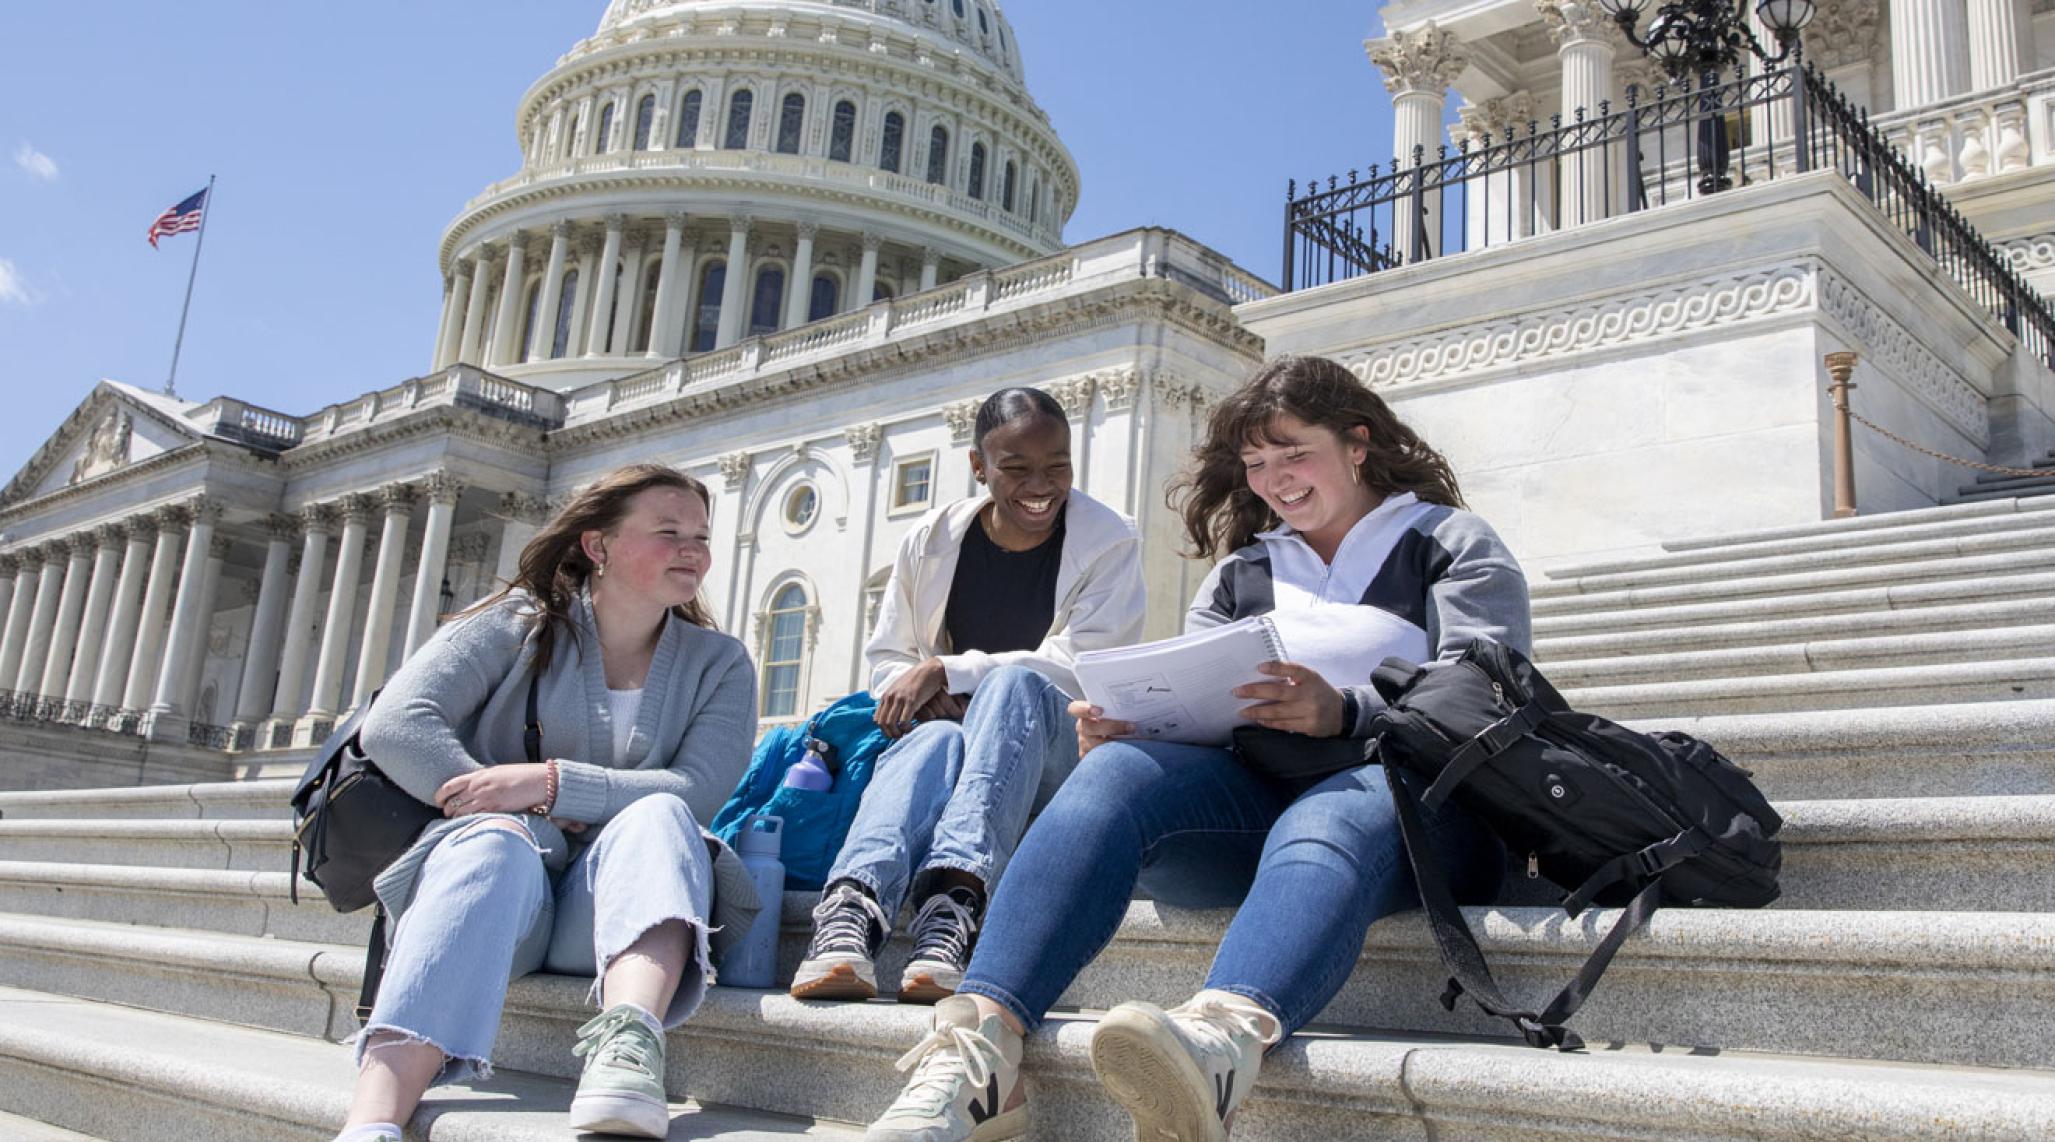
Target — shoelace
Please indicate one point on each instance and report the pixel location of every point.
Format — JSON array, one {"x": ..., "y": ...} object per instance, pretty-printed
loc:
[
  {"x": 938, "y": 1060},
  {"x": 603, "y": 1038},
  {"x": 839, "y": 927},
  {"x": 1214, "y": 1023},
  {"x": 943, "y": 927}
]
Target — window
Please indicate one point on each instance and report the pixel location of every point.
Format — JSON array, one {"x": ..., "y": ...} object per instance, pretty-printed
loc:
[
  {"x": 768, "y": 301},
  {"x": 842, "y": 138},
  {"x": 984, "y": 25},
  {"x": 645, "y": 118},
  {"x": 938, "y": 155},
  {"x": 567, "y": 302},
  {"x": 603, "y": 141},
  {"x": 802, "y": 504},
  {"x": 688, "y": 119},
  {"x": 1006, "y": 188},
  {"x": 706, "y": 325},
  {"x": 568, "y": 129},
  {"x": 644, "y": 324},
  {"x": 825, "y": 298},
  {"x": 739, "y": 106},
  {"x": 1035, "y": 202},
  {"x": 895, "y": 137},
  {"x": 956, "y": 6},
  {"x": 784, "y": 651},
  {"x": 527, "y": 344},
  {"x": 791, "y": 118},
  {"x": 913, "y": 482},
  {"x": 977, "y": 171}
]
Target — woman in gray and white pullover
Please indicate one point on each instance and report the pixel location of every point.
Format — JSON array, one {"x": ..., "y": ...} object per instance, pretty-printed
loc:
[{"x": 592, "y": 861}]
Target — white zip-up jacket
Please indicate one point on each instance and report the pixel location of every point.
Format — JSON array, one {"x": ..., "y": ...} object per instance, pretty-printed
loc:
[{"x": 1099, "y": 598}]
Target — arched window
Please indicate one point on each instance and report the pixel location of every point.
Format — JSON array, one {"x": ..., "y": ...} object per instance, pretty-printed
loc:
[
  {"x": 706, "y": 324},
  {"x": 984, "y": 25},
  {"x": 645, "y": 118},
  {"x": 1006, "y": 187},
  {"x": 567, "y": 301},
  {"x": 527, "y": 344},
  {"x": 688, "y": 119},
  {"x": 842, "y": 139},
  {"x": 895, "y": 138},
  {"x": 956, "y": 6},
  {"x": 767, "y": 304},
  {"x": 603, "y": 141},
  {"x": 791, "y": 117},
  {"x": 646, "y": 320},
  {"x": 938, "y": 155},
  {"x": 825, "y": 298},
  {"x": 784, "y": 651},
  {"x": 739, "y": 105},
  {"x": 977, "y": 170},
  {"x": 1035, "y": 203}
]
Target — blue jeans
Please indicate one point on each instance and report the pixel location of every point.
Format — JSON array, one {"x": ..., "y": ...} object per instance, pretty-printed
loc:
[
  {"x": 486, "y": 913},
  {"x": 957, "y": 796},
  {"x": 1312, "y": 864}
]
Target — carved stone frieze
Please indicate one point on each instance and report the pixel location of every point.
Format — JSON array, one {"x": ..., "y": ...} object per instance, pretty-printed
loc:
[
  {"x": 1427, "y": 60},
  {"x": 469, "y": 548},
  {"x": 219, "y": 547},
  {"x": 1889, "y": 346},
  {"x": 522, "y": 508},
  {"x": 107, "y": 446},
  {"x": 2031, "y": 254},
  {"x": 1843, "y": 32}
]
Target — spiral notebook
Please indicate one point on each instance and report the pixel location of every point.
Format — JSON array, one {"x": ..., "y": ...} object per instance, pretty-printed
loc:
[{"x": 1182, "y": 689}]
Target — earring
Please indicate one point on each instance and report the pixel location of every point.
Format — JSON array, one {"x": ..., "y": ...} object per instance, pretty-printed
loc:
[
  {"x": 1356, "y": 475},
  {"x": 600, "y": 572}
]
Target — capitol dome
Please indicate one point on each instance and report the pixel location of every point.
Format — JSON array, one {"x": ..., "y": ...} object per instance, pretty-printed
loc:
[{"x": 841, "y": 152}]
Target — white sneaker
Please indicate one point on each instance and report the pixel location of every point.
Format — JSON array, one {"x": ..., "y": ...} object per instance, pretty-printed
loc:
[
  {"x": 1181, "y": 1073},
  {"x": 848, "y": 929},
  {"x": 965, "y": 1085}
]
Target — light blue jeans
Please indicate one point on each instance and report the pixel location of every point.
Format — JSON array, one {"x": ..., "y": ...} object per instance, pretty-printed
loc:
[
  {"x": 486, "y": 912},
  {"x": 957, "y": 796}
]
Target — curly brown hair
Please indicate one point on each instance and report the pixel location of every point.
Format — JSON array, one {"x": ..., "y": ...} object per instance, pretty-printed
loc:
[
  {"x": 1222, "y": 515},
  {"x": 553, "y": 566}
]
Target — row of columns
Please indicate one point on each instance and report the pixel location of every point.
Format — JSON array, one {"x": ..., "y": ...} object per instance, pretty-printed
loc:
[
  {"x": 603, "y": 317},
  {"x": 1944, "y": 48}
]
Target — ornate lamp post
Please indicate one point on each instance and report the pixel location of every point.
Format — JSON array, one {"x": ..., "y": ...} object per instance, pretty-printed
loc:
[{"x": 1704, "y": 38}]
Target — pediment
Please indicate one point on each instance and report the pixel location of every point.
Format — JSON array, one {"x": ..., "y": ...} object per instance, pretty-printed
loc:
[{"x": 117, "y": 425}]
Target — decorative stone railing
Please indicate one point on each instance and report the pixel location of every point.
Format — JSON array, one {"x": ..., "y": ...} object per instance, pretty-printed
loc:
[
  {"x": 1975, "y": 136},
  {"x": 248, "y": 424},
  {"x": 459, "y": 385}
]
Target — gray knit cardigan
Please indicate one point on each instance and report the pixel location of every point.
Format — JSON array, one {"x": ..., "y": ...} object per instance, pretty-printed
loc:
[{"x": 459, "y": 703}]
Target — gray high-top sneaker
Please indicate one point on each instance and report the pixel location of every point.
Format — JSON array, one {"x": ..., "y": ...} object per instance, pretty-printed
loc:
[
  {"x": 622, "y": 1089},
  {"x": 965, "y": 1085},
  {"x": 1181, "y": 1073},
  {"x": 841, "y": 963}
]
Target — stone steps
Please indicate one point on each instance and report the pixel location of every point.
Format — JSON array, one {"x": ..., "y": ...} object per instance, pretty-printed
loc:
[
  {"x": 220, "y": 799},
  {"x": 1889, "y": 523},
  {"x": 18, "y": 1129},
  {"x": 1813, "y": 656},
  {"x": 1839, "y": 689},
  {"x": 1683, "y": 617},
  {"x": 1956, "y": 618},
  {"x": 1800, "y": 579},
  {"x": 2022, "y": 487}
]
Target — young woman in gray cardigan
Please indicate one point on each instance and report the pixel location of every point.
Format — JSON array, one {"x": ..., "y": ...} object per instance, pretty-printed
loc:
[{"x": 590, "y": 862}]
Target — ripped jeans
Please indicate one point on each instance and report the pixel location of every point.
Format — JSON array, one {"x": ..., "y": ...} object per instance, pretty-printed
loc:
[{"x": 486, "y": 912}]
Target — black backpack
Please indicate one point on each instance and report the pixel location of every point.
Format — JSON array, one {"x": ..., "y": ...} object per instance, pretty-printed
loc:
[{"x": 1613, "y": 816}]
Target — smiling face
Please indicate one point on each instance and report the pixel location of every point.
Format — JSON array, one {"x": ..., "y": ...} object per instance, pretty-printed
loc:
[
  {"x": 658, "y": 554},
  {"x": 1307, "y": 475},
  {"x": 1026, "y": 465}
]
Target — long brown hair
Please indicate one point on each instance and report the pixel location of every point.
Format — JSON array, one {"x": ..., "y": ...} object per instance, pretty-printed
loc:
[
  {"x": 1222, "y": 515},
  {"x": 554, "y": 567}
]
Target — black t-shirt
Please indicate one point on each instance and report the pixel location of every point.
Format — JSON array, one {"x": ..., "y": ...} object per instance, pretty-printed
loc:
[{"x": 1002, "y": 600}]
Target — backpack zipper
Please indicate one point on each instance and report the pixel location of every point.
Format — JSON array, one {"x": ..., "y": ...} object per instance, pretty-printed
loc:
[{"x": 1534, "y": 866}]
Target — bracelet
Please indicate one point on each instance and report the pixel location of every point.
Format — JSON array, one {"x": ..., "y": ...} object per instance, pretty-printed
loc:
[
  {"x": 1350, "y": 711},
  {"x": 549, "y": 794}
]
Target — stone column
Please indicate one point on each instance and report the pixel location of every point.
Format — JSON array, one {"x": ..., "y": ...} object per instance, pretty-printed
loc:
[
  {"x": 1929, "y": 51},
  {"x": 1418, "y": 68},
  {"x": 195, "y": 669},
  {"x": 92, "y": 630},
  {"x": 28, "y": 572},
  {"x": 10, "y": 566},
  {"x": 665, "y": 340},
  {"x": 628, "y": 298},
  {"x": 317, "y": 521},
  {"x": 800, "y": 296},
  {"x": 867, "y": 272},
  {"x": 506, "y": 332},
  {"x": 930, "y": 268},
  {"x": 1584, "y": 47},
  {"x": 603, "y": 289},
  {"x": 452, "y": 332},
  {"x": 335, "y": 629},
  {"x": 469, "y": 348},
  {"x": 385, "y": 590},
  {"x": 70, "y": 609},
  {"x": 735, "y": 286},
  {"x": 120, "y": 647},
  {"x": 43, "y": 620},
  {"x": 550, "y": 297},
  {"x": 442, "y": 491},
  {"x": 521, "y": 517},
  {"x": 142, "y": 672},
  {"x": 171, "y": 710},
  {"x": 588, "y": 260},
  {"x": 2001, "y": 36},
  {"x": 253, "y": 695}
]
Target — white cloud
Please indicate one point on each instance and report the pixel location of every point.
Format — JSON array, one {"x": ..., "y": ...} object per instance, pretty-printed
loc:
[
  {"x": 14, "y": 290},
  {"x": 35, "y": 162}
]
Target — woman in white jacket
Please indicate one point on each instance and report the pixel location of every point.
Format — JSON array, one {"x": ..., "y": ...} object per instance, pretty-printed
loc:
[{"x": 990, "y": 600}]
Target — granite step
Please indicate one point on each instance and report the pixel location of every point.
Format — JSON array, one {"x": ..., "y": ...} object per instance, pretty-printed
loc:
[
  {"x": 1961, "y": 618},
  {"x": 223, "y": 901},
  {"x": 2006, "y": 680},
  {"x": 2039, "y": 490},
  {"x": 209, "y": 800},
  {"x": 1899, "y": 554},
  {"x": 1876, "y": 521},
  {"x": 1659, "y": 617},
  {"x": 124, "y": 1073},
  {"x": 15, "y": 1128},
  {"x": 1809, "y": 656},
  {"x": 230, "y": 843},
  {"x": 1799, "y": 578}
]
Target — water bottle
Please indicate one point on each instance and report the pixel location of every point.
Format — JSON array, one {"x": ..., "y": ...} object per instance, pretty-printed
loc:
[
  {"x": 810, "y": 772},
  {"x": 753, "y": 962}
]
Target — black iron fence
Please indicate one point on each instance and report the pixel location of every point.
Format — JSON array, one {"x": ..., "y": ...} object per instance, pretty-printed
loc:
[
  {"x": 24, "y": 707},
  {"x": 1680, "y": 141}
]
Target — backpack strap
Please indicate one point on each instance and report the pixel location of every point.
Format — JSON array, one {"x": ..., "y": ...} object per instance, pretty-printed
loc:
[
  {"x": 531, "y": 732},
  {"x": 374, "y": 968},
  {"x": 1644, "y": 864},
  {"x": 1495, "y": 739}
]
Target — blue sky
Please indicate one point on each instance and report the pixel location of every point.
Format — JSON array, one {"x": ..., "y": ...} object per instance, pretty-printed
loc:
[{"x": 345, "y": 138}]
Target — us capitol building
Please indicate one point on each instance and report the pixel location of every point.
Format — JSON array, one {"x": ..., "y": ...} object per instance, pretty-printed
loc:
[{"x": 788, "y": 246}]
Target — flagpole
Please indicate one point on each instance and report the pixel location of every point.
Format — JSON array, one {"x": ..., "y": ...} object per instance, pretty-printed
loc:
[{"x": 206, "y": 209}]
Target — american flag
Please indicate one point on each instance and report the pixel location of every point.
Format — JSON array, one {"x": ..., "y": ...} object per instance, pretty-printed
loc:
[{"x": 181, "y": 219}]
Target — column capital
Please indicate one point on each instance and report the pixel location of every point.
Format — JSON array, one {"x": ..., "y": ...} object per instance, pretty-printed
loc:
[
  {"x": 174, "y": 517},
  {"x": 442, "y": 488},
  {"x": 143, "y": 526},
  {"x": 1424, "y": 62},
  {"x": 318, "y": 518},
  {"x": 219, "y": 546},
  {"x": 357, "y": 507},
  {"x": 930, "y": 258},
  {"x": 111, "y": 535},
  {"x": 398, "y": 499},
  {"x": 808, "y": 231},
  {"x": 735, "y": 469},
  {"x": 615, "y": 222},
  {"x": 521, "y": 508},
  {"x": 863, "y": 441},
  {"x": 1504, "y": 115},
  {"x": 278, "y": 525},
  {"x": 204, "y": 509},
  {"x": 57, "y": 550},
  {"x": 562, "y": 228},
  {"x": 740, "y": 224},
  {"x": 962, "y": 417},
  {"x": 675, "y": 219},
  {"x": 871, "y": 242},
  {"x": 9, "y": 563},
  {"x": 462, "y": 272},
  {"x": 486, "y": 254},
  {"x": 1574, "y": 22}
]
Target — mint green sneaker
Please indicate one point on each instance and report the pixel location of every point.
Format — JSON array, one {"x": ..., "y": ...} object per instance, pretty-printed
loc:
[{"x": 622, "y": 1089}]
